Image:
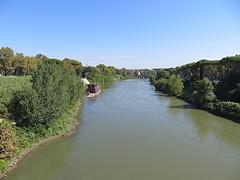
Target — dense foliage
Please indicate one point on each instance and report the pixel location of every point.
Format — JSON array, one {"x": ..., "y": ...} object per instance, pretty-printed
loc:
[
  {"x": 54, "y": 89},
  {"x": 9, "y": 86},
  {"x": 18, "y": 64},
  {"x": 8, "y": 140},
  {"x": 203, "y": 92},
  {"x": 226, "y": 109},
  {"x": 105, "y": 75},
  {"x": 41, "y": 105},
  {"x": 211, "y": 85},
  {"x": 170, "y": 84},
  {"x": 229, "y": 87}
]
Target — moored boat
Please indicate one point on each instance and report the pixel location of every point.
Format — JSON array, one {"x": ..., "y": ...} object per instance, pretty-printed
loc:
[{"x": 93, "y": 90}]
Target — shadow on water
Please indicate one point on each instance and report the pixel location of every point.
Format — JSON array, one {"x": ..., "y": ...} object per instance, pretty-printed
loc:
[
  {"x": 207, "y": 124},
  {"x": 56, "y": 154},
  {"x": 184, "y": 106},
  {"x": 223, "y": 129}
]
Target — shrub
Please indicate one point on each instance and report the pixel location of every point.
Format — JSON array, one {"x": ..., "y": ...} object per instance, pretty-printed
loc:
[
  {"x": 227, "y": 109},
  {"x": 175, "y": 85},
  {"x": 25, "y": 108},
  {"x": 172, "y": 86},
  {"x": 163, "y": 74},
  {"x": 229, "y": 88},
  {"x": 203, "y": 93},
  {"x": 54, "y": 89},
  {"x": 152, "y": 79},
  {"x": 8, "y": 140},
  {"x": 8, "y": 87},
  {"x": 3, "y": 165},
  {"x": 162, "y": 85}
]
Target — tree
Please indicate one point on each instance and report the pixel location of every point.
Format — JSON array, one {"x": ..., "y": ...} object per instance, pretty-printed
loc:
[
  {"x": 152, "y": 79},
  {"x": 229, "y": 88},
  {"x": 25, "y": 108},
  {"x": 6, "y": 60},
  {"x": 102, "y": 68},
  {"x": 74, "y": 65},
  {"x": 54, "y": 89},
  {"x": 163, "y": 74},
  {"x": 41, "y": 57},
  {"x": 203, "y": 93},
  {"x": 19, "y": 64},
  {"x": 50, "y": 82},
  {"x": 162, "y": 85},
  {"x": 89, "y": 72},
  {"x": 175, "y": 85}
]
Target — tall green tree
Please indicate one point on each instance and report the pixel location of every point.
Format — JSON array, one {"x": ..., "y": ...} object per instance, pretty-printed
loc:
[
  {"x": 175, "y": 85},
  {"x": 54, "y": 89},
  {"x": 6, "y": 60},
  {"x": 203, "y": 93}
]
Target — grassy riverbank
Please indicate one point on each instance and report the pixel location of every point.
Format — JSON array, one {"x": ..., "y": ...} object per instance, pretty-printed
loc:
[
  {"x": 43, "y": 106},
  {"x": 36, "y": 109},
  {"x": 28, "y": 140}
]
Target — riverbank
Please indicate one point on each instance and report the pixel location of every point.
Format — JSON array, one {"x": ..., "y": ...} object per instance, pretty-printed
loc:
[
  {"x": 200, "y": 93},
  {"x": 128, "y": 134},
  {"x": 71, "y": 121},
  {"x": 225, "y": 112}
]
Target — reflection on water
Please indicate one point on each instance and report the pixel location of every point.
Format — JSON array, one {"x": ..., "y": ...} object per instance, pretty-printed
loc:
[
  {"x": 132, "y": 132},
  {"x": 208, "y": 124}
]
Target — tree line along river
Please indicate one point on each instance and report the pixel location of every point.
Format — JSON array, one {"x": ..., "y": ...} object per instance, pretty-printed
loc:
[{"x": 132, "y": 132}]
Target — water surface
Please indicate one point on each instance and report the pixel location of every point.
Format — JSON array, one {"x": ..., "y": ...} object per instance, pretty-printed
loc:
[{"x": 131, "y": 132}]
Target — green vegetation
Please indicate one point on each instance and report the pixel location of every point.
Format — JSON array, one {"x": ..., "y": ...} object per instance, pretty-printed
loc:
[
  {"x": 3, "y": 165},
  {"x": 229, "y": 87},
  {"x": 41, "y": 104},
  {"x": 210, "y": 85},
  {"x": 105, "y": 75},
  {"x": 54, "y": 90},
  {"x": 8, "y": 86},
  {"x": 9, "y": 141},
  {"x": 203, "y": 93},
  {"x": 18, "y": 64},
  {"x": 169, "y": 84}
]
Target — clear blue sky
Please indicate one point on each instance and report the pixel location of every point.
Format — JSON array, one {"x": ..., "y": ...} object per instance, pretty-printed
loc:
[{"x": 123, "y": 33}]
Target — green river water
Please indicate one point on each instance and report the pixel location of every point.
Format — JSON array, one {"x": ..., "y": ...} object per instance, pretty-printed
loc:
[{"x": 132, "y": 132}]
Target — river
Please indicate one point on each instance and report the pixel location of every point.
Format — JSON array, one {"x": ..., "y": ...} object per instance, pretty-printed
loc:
[{"x": 132, "y": 132}]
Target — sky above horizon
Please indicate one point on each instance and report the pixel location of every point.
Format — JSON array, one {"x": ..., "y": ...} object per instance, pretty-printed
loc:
[{"x": 123, "y": 33}]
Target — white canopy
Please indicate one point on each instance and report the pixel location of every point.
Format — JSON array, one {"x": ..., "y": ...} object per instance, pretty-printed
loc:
[{"x": 85, "y": 81}]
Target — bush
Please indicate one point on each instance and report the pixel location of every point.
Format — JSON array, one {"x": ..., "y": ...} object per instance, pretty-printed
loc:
[
  {"x": 54, "y": 89},
  {"x": 175, "y": 85},
  {"x": 227, "y": 109},
  {"x": 25, "y": 108},
  {"x": 3, "y": 165},
  {"x": 203, "y": 93},
  {"x": 163, "y": 74},
  {"x": 8, "y": 140},
  {"x": 8, "y": 87},
  {"x": 162, "y": 85},
  {"x": 229, "y": 88},
  {"x": 26, "y": 137},
  {"x": 172, "y": 86},
  {"x": 152, "y": 79}
]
